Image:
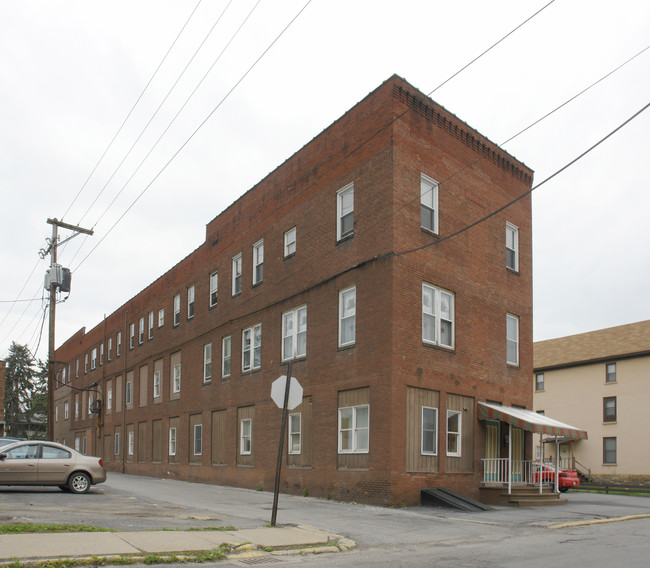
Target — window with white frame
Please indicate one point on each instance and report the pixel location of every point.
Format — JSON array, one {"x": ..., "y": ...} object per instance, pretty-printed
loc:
[
  {"x": 77, "y": 370},
  {"x": 428, "y": 203},
  {"x": 347, "y": 316},
  {"x": 117, "y": 444},
  {"x": 258, "y": 262},
  {"x": 207, "y": 362},
  {"x": 190, "y": 302},
  {"x": 90, "y": 404},
  {"x": 172, "y": 441},
  {"x": 294, "y": 433},
  {"x": 246, "y": 436},
  {"x": 56, "y": 414},
  {"x": 93, "y": 358},
  {"x": 109, "y": 397},
  {"x": 161, "y": 317},
  {"x": 177, "y": 310},
  {"x": 129, "y": 393},
  {"x": 512, "y": 338},
  {"x": 132, "y": 336},
  {"x": 354, "y": 429},
  {"x": 290, "y": 242},
  {"x": 437, "y": 316},
  {"x": 214, "y": 289},
  {"x": 66, "y": 410},
  {"x": 176, "y": 385},
  {"x": 101, "y": 354},
  {"x": 429, "y": 437},
  {"x": 252, "y": 348},
  {"x": 345, "y": 212},
  {"x": 294, "y": 333},
  {"x": 119, "y": 343},
  {"x": 85, "y": 362},
  {"x": 151, "y": 320},
  {"x": 454, "y": 425},
  {"x": 141, "y": 332},
  {"x": 236, "y": 275},
  {"x": 198, "y": 439},
  {"x": 156, "y": 384},
  {"x": 131, "y": 442},
  {"x": 226, "y": 346},
  {"x": 512, "y": 247}
]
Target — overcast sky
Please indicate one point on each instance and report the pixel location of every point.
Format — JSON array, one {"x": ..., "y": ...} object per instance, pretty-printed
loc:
[{"x": 70, "y": 72}]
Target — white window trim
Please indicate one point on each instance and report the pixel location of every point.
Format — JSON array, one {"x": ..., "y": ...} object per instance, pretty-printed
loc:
[
  {"x": 207, "y": 360},
  {"x": 176, "y": 385},
  {"x": 116, "y": 447},
  {"x": 355, "y": 431},
  {"x": 290, "y": 240},
  {"x": 110, "y": 348},
  {"x": 161, "y": 317},
  {"x": 131, "y": 336},
  {"x": 151, "y": 324},
  {"x": 109, "y": 398},
  {"x": 431, "y": 185},
  {"x": 340, "y": 194},
  {"x": 177, "y": 310},
  {"x": 141, "y": 332},
  {"x": 294, "y": 315},
  {"x": 172, "y": 440},
  {"x": 93, "y": 359},
  {"x": 224, "y": 357},
  {"x": 66, "y": 410},
  {"x": 214, "y": 288},
  {"x": 458, "y": 434},
  {"x": 236, "y": 274},
  {"x": 101, "y": 354},
  {"x": 258, "y": 262},
  {"x": 190, "y": 302},
  {"x": 295, "y": 433},
  {"x": 156, "y": 384},
  {"x": 438, "y": 293},
  {"x": 251, "y": 366},
  {"x": 128, "y": 393},
  {"x": 511, "y": 317},
  {"x": 342, "y": 293},
  {"x": 118, "y": 347},
  {"x": 435, "y": 437},
  {"x": 131, "y": 442},
  {"x": 198, "y": 428},
  {"x": 514, "y": 230},
  {"x": 243, "y": 438}
]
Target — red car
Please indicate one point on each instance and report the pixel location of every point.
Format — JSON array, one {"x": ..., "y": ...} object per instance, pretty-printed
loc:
[{"x": 568, "y": 477}]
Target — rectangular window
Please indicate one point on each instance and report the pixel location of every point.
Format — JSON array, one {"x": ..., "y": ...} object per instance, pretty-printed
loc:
[
  {"x": 258, "y": 262},
  {"x": 101, "y": 354},
  {"x": 190, "y": 302},
  {"x": 177, "y": 310},
  {"x": 207, "y": 362},
  {"x": 77, "y": 370},
  {"x": 109, "y": 397},
  {"x": 512, "y": 247},
  {"x": 76, "y": 407},
  {"x": 609, "y": 409},
  {"x": 161, "y": 317},
  {"x": 129, "y": 394},
  {"x": 345, "y": 212},
  {"x": 428, "y": 204},
  {"x": 90, "y": 404},
  {"x": 141, "y": 332},
  {"x": 198, "y": 439},
  {"x": 86, "y": 363},
  {"x": 117, "y": 444},
  {"x": 512, "y": 339},
  {"x": 119, "y": 343},
  {"x": 609, "y": 450},
  {"x": 177, "y": 378},
  {"x": 252, "y": 348},
  {"x": 93, "y": 359},
  {"x": 172, "y": 441},
  {"x": 131, "y": 442},
  {"x": 429, "y": 445},
  {"x": 290, "y": 242},
  {"x": 151, "y": 318},
  {"x": 156, "y": 384},
  {"x": 294, "y": 333},
  {"x": 214, "y": 289},
  {"x": 610, "y": 376},
  {"x": 132, "y": 336},
  {"x": 437, "y": 316},
  {"x": 539, "y": 382},
  {"x": 453, "y": 433},
  {"x": 246, "y": 437},
  {"x": 294, "y": 433},
  {"x": 110, "y": 348},
  {"x": 225, "y": 356},
  {"x": 66, "y": 410},
  {"x": 236, "y": 275},
  {"x": 354, "y": 429},
  {"x": 347, "y": 316}
]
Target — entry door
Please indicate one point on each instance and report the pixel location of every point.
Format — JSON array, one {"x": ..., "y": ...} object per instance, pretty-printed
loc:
[
  {"x": 491, "y": 451},
  {"x": 517, "y": 454}
]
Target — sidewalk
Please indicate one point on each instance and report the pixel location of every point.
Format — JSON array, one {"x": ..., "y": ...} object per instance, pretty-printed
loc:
[{"x": 246, "y": 543}]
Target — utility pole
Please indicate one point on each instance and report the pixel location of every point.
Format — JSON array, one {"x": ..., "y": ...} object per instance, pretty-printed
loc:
[{"x": 53, "y": 286}]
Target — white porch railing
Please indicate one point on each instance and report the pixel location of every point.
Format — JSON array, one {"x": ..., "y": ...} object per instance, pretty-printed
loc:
[{"x": 495, "y": 470}]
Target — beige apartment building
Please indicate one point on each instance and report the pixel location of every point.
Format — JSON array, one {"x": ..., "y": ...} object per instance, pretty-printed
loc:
[{"x": 600, "y": 382}]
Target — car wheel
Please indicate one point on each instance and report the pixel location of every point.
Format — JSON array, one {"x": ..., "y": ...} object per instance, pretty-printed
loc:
[
  {"x": 563, "y": 489},
  {"x": 79, "y": 482}
]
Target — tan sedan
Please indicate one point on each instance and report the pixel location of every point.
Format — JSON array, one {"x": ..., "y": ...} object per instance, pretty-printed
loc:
[{"x": 48, "y": 463}]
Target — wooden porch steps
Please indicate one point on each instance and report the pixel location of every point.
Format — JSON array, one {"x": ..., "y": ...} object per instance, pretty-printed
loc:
[{"x": 521, "y": 496}]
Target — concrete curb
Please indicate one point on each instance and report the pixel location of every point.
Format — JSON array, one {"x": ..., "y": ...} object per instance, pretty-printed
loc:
[{"x": 598, "y": 521}]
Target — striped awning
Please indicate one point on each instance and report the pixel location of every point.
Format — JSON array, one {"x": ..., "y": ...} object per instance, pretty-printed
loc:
[{"x": 529, "y": 420}]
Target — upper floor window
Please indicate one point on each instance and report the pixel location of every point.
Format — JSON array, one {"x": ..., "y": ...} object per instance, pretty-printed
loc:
[
  {"x": 290, "y": 242},
  {"x": 190, "y": 302},
  {"x": 236, "y": 275},
  {"x": 225, "y": 356},
  {"x": 141, "y": 332},
  {"x": 129, "y": 393},
  {"x": 86, "y": 363},
  {"x": 119, "y": 343},
  {"x": 609, "y": 409},
  {"x": 132, "y": 336},
  {"x": 539, "y": 381},
  {"x": 437, "y": 316},
  {"x": 512, "y": 247},
  {"x": 429, "y": 437},
  {"x": 454, "y": 431},
  {"x": 258, "y": 262},
  {"x": 294, "y": 333},
  {"x": 354, "y": 429},
  {"x": 345, "y": 212},
  {"x": 161, "y": 317},
  {"x": 610, "y": 376},
  {"x": 176, "y": 385},
  {"x": 512, "y": 339},
  {"x": 207, "y": 362},
  {"x": 252, "y": 348},
  {"x": 214, "y": 289},
  {"x": 428, "y": 203},
  {"x": 101, "y": 354},
  {"x": 150, "y": 325},
  {"x": 177, "y": 309},
  {"x": 156, "y": 384},
  {"x": 93, "y": 359},
  {"x": 347, "y": 316}
]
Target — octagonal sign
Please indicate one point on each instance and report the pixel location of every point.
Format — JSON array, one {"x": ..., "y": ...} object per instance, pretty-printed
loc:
[{"x": 295, "y": 392}]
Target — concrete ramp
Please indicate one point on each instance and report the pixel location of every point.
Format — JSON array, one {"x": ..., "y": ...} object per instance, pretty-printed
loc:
[{"x": 440, "y": 497}]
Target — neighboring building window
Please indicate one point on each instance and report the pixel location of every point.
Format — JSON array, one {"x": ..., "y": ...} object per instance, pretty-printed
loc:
[
  {"x": 236, "y": 275},
  {"x": 512, "y": 338},
  {"x": 354, "y": 429},
  {"x": 177, "y": 309},
  {"x": 150, "y": 325},
  {"x": 258, "y": 262},
  {"x": 66, "y": 410},
  {"x": 131, "y": 442},
  {"x": 86, "y": 363},
  {"x": 609, "y": 450},
  {"x": 190, "y": 302},
  {"x": 290, "y": 242},
  {"x": 345, "y": 212},
  {"x": 347, "y": 316},
  {"x": 453, "y": 433},
  {"x": 294, "y": 333},
  {"x": 56, "y": 414},
  {"x": 428, "y": 203},
  {"x": 214, "y": 289},
  {"x": 129, "y": 395},
  {"x": 161, "y": 317},
  {"x": 76, "y": 408},
  {"x": 90, "y": 404},
  {"x": 512, "y": 247},
  {"x": 245, "y": 443},
  {"x": 252, "y": 348},
  {"x": 132, "y": 336},
  {"x": 141, "y": 332},
  {"x": 225, "y": 356},
  {"x": 539, "y": 382},
  {"x": 611, "y": 373},
  {"x": 117, "y": 444},
  {"x": 437, "y": 316},
  {"x": 101, "y": 354},
  {"x": 110, "y": 348},
  {"x": 77, "y": 370},
  {"x": 119, "y": 343},
  {"x": 207, "y": 362},
  {"x": 198, "y": 439},
  {"x": 294, "y": 433},
  {"x": 609, "y": 409},
  {"x": 93, "y": 359},
  {"x": 177, "y": 378},
  {"x": 429, "y": 446},
  {"x": 109, "y": 397},
  {"x": 172, "y": 441},
  {"x": 156, "y": 384}
]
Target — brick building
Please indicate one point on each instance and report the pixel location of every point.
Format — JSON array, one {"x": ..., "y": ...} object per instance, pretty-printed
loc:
[{"x": 333, "y": 260}]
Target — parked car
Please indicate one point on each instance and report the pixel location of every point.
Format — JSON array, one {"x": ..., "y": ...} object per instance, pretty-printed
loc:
[
  {"x": 568, "y": 477},
  {"x": 48, "y": 463},
  {"x": 6, "y": 440}
]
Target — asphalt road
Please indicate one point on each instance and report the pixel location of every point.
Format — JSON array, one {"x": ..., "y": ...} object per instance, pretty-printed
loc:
[{"x": 406, "y": 537}]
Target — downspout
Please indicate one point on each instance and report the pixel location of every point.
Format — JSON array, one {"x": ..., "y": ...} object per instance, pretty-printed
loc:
[
  {"x": 509, "y": 458},
  {"x": 557, "y": 465}
]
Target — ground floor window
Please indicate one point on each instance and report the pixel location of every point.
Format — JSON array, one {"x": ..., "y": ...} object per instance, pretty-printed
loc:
[
  {"x": 354, "y": 427},
  {"x": 609, "y": 450}
]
